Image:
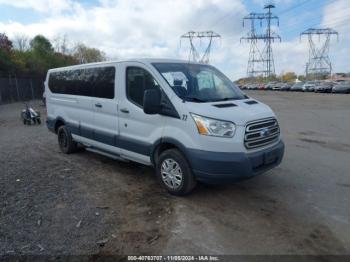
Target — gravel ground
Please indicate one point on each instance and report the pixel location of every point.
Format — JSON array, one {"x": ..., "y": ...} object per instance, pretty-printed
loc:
[{"x": 86, "y": 204}]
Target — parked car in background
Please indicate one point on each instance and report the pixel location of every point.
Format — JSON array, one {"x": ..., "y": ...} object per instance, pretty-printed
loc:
[
  {"x": 343, "y": 87},
  {"x": 286, "y": 87},
  {"x": 252, "y": 87},
  {"x": 269, "y": 85},
  {"x": 324, "y": 87},
  {"x": 249, "y": 87},
  {"x": 261, "y": 86},
  {"x": 277, "y": 86},
  {"x": 309, "y": 86},
  {"x": 297, "y": 86}
]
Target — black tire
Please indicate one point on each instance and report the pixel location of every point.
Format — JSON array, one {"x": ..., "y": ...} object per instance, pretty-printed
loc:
[
  {"x": 38, "y": 121},
  {"x": 188, "y": 181},
  {"x": 65, "y": 140}
]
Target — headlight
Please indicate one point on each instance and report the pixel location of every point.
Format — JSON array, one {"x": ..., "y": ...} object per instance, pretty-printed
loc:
[{"x": 213, "y": 127}]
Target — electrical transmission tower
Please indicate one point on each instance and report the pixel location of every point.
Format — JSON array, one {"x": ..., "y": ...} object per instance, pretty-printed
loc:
[
  {"x": 194, "y": 53},
  {"x": 319, "y": 64},
  {"x": 256, "y": 60},
  {"x": 261, "y": 63}
]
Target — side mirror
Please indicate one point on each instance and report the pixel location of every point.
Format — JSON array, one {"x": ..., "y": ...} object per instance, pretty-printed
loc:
[{"x": 152, "y": 101}]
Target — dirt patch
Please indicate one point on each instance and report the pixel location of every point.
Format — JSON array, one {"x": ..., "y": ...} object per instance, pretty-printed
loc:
[
  {"x": 344, "y": 185},
  {"x": 67, "y": 204},
  {"x": 330, "y": 145},
  {"x": 320, "y": 240}
]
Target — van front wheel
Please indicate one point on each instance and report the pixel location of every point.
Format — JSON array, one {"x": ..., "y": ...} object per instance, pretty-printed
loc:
[
  {"x": 65, "y": 140},
  {"x": 175, "y": 173}
]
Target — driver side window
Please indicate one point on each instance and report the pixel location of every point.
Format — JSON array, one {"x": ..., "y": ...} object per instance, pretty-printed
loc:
[{"x": 137, "y": 81}]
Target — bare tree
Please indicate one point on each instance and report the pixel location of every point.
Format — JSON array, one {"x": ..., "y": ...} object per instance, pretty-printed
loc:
[
  {"x": 21, "y": 42},
  {"x": 60, "y": 44},
  {"x": 84, "y": 54}
]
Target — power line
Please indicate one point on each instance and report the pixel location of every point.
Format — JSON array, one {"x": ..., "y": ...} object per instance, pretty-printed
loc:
[
  {"x": 329, "y": 23},
  {"x": 294, "y": 7},
  {"x": 312, "y": 22},
  {"x": 228, "y": 14}
]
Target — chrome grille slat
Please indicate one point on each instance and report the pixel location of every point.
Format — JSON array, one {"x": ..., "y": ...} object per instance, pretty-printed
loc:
[
  {"x": 273, "y": 131},
  {"x": 255, "y": 126},
  {"x": 261, "y": 133},
  {"x": 263, "y": 138},
  {"x": 262, "y": 143}
]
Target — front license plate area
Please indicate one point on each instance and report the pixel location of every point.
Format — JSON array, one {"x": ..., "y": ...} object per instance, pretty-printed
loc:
[{"x": 269, "y": 158}]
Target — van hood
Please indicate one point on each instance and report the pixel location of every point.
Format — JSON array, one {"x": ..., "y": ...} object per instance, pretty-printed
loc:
[{"x": 237, "y": 111}]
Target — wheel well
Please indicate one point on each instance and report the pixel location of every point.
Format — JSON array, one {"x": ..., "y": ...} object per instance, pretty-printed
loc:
[
  {"x": 160, "y": 149},
  {"x": 58, "y": 124}
]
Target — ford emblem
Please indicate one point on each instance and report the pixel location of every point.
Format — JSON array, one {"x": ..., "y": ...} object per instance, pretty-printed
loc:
[{"x": 264, "y": 132}]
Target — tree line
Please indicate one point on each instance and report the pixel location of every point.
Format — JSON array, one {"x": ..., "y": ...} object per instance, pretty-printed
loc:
[{"x": 34, "y": 56}]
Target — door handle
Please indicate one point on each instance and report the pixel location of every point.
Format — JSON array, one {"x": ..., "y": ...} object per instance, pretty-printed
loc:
[
  {"x": 98, "y": 105},
  {"x": 124, "y": 110}
]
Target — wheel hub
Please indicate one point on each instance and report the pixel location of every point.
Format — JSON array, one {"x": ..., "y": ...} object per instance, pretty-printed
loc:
[{"x": 171, "y": 173}]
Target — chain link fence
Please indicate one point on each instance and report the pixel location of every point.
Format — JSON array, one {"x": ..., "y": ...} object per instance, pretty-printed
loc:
[{"x": 19, "y": 89}]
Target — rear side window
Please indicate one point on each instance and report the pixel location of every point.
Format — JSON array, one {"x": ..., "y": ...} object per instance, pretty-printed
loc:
[
  {"x": 94, "y": 82},
  {"x": 137, "y": 81}
]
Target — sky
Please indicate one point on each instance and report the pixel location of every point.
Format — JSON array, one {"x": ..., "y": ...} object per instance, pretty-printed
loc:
[{"x": 152, "y": 28}]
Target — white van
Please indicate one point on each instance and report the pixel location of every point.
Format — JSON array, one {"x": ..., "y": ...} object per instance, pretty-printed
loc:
[{"x": 187, "y": 120}]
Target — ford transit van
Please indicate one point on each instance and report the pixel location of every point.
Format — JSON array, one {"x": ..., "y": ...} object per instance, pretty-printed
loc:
[{"x": 187, "y": 120}]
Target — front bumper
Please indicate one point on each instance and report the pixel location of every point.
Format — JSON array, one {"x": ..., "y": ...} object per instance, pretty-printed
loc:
[{"x": 218, "y": 168}]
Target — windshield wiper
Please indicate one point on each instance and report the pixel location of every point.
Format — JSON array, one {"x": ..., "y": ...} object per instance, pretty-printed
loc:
[{"x": 193, "y": 99}]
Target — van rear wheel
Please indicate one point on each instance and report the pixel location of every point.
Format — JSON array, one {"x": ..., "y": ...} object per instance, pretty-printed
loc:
[
  {"x": 65, "y": 140},
  {"x": 174, "y": 173}
]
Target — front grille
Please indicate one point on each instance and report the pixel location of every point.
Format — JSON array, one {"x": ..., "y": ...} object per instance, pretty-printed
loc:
[{"x": 261, "y": 133}]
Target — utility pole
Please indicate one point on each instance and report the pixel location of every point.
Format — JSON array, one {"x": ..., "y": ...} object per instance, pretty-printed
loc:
[
  {"x": 319, "y": 64},
  {"x": 194, "y": 53},
  {"x": 263, "y": 59}
]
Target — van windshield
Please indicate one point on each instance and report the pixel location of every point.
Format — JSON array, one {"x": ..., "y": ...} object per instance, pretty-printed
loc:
[{"x": 198, "y": 83}]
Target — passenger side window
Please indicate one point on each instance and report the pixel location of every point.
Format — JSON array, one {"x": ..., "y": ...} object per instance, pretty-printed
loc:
[
  {"x": 104, "y": 82},
  {"x": 93, "y": 82},
  {"x": 137, "y": 81}
]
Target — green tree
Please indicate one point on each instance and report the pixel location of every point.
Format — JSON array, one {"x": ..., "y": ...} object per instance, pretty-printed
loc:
[
  {"x": 301, "y": 77},
  {"x": 289, "y": 77},
  {"x": 20, "y": 60},
  {"x": 41, "y": 45},
  {"x": 5, "y": 53},
  {"x": 41, "y": 56},
  {"x": 5, "y": 44}
]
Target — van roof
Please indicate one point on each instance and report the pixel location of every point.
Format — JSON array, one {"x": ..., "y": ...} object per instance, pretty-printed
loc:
[{"x": 141, "y": 60}]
